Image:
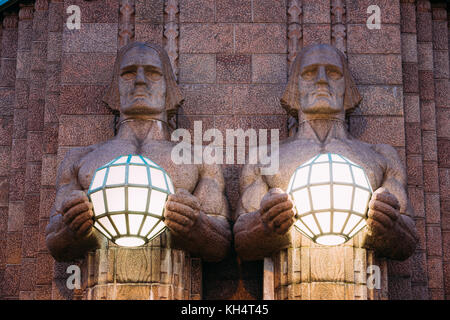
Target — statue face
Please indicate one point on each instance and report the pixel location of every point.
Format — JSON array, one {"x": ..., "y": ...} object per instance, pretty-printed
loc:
[
  {"x": 142, "y": 86},
  {"x": 321, "y": 82}
]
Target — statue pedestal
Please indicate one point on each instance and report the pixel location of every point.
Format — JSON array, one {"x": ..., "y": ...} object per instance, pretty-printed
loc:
[
  {"x": 307, "y": 271},
  {"x": 151, "y": 272}
]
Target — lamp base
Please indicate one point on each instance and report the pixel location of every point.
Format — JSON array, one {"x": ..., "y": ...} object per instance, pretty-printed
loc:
[
  {"x": 130, "y": 241},
  {"x": 330, "y": 240}
]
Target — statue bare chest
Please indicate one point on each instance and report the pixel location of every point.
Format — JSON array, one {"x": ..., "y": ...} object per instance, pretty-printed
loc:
[
  {"x": 295, "y": 153},
  {"x": 185, "y": 176}
]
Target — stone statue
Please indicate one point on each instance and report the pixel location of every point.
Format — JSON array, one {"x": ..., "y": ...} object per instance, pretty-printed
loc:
[
  {"x": 145, "y": 92},
  {"x": 320, "y": 92}
]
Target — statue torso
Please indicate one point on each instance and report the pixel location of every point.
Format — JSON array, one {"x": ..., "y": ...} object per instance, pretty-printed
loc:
[
  {"x": 294, "y": 153},
  {"x": 159, "y": 151}
]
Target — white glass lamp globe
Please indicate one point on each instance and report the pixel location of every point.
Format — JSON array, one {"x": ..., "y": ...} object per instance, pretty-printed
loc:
[
  {"x": 331, "y": 196},
  {"x": 128, "y": 196}
]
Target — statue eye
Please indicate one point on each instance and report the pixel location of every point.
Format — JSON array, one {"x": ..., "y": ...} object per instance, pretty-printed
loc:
[
  {"x": 154, "y": 75},
  {"x": 308, "y": 75},
  {"x": 334, "y": 74},
  {"x": 128, "y": 75}
]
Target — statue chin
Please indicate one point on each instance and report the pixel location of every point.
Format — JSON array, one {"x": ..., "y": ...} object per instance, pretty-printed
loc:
[
  {"x": 322, "y": 107},
  {"x": 142, "y": 109}
]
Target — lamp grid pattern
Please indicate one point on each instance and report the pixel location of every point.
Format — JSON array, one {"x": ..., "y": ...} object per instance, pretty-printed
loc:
[
  {"x": 331, "y": 196},
  {"x": 128, "y": 196}
]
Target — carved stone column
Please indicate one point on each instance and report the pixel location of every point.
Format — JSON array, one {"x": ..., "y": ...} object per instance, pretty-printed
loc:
[
  {"x": 126, "y": 22},
  {"x": 307, "y": 271},
  {"x": 171, "y": 33},
  {"x": 152, "y": 272},
  {"x": 294, "y": 46},
  {"x": 338, "y": 30}
]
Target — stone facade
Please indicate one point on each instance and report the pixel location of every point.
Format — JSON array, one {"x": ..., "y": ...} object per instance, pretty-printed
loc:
[{"x": 232, "y": 60}]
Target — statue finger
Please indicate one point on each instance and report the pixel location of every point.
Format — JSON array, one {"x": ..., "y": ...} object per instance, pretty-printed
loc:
[
  {"x": 376, "y": 226},
  {"x": 74, "y": 201},
  {"x": 384, "y": 207},
  {"x": 185, "y": 198},
  {"x": 79, "y": 220},
  {"x": 181, "y": 209},
  {"x": 178, "y": 218},
  {"x": 76, "y": 210},
  {"x": 175, "y": 227},
  {"x": 277, "y": 209},
  {"x": 272, "y": 200},
  {"x": 85, "y": 228},
  {"x": 387, "y": 197},
  {"x": 283, "y": 217},
  {"x": 384, "y": 219},
  {"x": 285, "y": 226}
]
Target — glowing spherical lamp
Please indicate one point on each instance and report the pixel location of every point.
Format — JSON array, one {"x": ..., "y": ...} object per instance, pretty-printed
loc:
[
  {"x": 128, "y": 196},
  {"x": 331, "y": 196}
]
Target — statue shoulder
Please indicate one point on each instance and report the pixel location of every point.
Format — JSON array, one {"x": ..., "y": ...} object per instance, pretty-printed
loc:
[
  {"x": 388, "y": 152},
  {"x": 71, "y": 160},
  {"x": 393, "y": 165}
]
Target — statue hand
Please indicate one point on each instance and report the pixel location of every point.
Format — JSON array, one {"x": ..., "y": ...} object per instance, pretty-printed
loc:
[
  {"x": 77, "y": 213},
  {"x": 383, "y": 212},
  {"x": 276, "y": 211},
  {"x": 182, "y": 212}
]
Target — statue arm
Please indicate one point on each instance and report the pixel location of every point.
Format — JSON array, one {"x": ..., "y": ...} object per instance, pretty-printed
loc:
[
  {"x": 400, "y": 241},
  {"x": 62, "y": 242},
  {"x": 253, "y": 239},
  {"x": 210, "y": 237}
]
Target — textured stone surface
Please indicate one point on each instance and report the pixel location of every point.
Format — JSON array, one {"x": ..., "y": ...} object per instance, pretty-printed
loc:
[
  {"x": 260, "y": 38},
  {"x": 95, "y": 129},
  {"x": 202, "y": 99},
  {"x": 428, "y": 115},
  {"x": 108, "y": 12},
  {"x": 255, "y": 29},
  {"x": 316, "y": 11},
  {"x": 234, "y": 68},
  {"x": 92, "y": 37},
  {"x": 258, "y": 99},
  {"x": 441, "y": 93},
  {"x": 408, "y": 17},
  {"x": 151, "y": 33},
  {"x": 434, "y": 241},
  {"x": 357, "y": 11},
  {"x": 410, "y": 77},
  {"x": 233, "y": 10},
  {"x": 87, "y": 68},
  {"x": 413, "y": 138},
  {"x": 82, "y": 99},
  {"x": 149, "y": 11},
  {"x": 197, "y": 11},
  {"x": 197, "y": 68},
  {"x": 316, "y": 33},
  {"x": 411, "y": 105},
  {"x": 360, "y": 39},
  {"x": 424, "y": 27},
  {"x": 269, "y": 11},
  {"x": 441, "y": 65},
  {"x": 409, "y": 47},
  {"x": 206, "y": 38},
  {"x": 380, "y": 100},
  {"x": 444, "y": 155},
  {"x": 376, "y": 129},
  {"x": 376, "y": 69},
  {"x": 269, "y": 68},
  {"x": 425, "y": 55}
]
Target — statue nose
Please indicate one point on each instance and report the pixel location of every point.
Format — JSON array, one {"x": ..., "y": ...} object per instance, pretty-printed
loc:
[
  {"x": 140, "y": 76},
  {"x": 321, "y": 76}
]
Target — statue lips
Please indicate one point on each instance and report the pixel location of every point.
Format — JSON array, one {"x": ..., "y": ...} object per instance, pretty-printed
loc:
[
  {"x": 140, "y": 95},
  {"x": 322, "y": 93}
]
